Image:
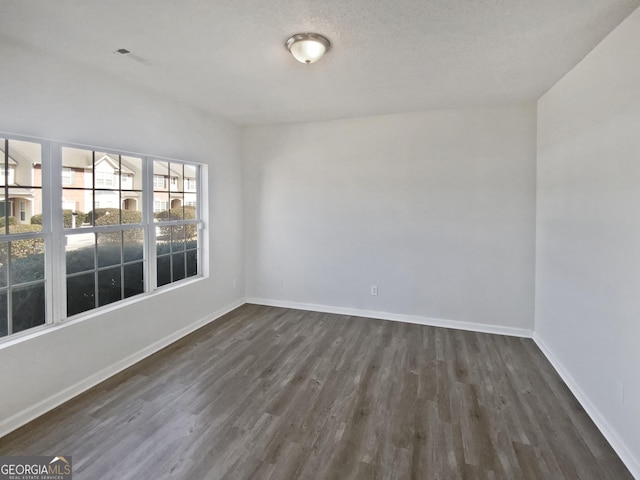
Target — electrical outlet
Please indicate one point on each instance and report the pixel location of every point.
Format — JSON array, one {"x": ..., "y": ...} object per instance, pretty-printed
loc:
[
  {"x": 374, "y": 290},
  {"x": 620, "y": 392}
]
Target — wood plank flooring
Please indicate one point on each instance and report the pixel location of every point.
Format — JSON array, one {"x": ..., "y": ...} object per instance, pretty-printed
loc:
[{"x": 271, "y": 393}]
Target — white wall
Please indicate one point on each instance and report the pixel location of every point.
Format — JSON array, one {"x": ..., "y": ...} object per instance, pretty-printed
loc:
[
  {"x": 47, "y": 97},
  {"x": 437, "y": 209},
  {"x": 588, "y": 234}
]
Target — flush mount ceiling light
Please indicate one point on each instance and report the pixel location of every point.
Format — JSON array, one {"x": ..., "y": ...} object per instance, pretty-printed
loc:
[{"x": 307, "y": 47}]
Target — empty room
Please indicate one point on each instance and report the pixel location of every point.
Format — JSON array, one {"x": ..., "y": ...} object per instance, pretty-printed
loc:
[{"x": 320, "y": 240}]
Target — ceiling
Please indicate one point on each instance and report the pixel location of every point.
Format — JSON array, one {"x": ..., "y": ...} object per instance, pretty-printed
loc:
[{"x": 228, "y": 56}]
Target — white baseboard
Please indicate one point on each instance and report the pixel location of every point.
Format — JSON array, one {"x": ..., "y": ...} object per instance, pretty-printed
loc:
[
  {"x": 625, "y": 454},
  {"x": 34, "y": 411},
  {"x": 398, "y": 317}
]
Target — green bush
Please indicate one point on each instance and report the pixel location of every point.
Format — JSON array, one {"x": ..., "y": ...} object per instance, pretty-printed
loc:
[
  {"x": 67, "y": 216},
  {"x": 111, "y": 216},
  {"x": 111, "y": 213},
  {"x": 27, "y": 247},
  {"x": 12, "y": 221},
  {"x": 176, "y": 214}
]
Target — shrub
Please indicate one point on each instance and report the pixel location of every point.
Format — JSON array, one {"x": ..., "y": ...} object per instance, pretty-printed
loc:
[
  {"x": 28, "y": 247},
  {"x": 111, "y": 216},
  {"x": 176, "y": 214},
  {"x": 110, "y": 213},
  {"x": 12, "y": 221},
  {"x": 28, "y": 265},
  {"x": 67, "y": 216}
]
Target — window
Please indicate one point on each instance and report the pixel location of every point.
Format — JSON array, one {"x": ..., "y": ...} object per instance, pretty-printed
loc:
[
  {"x": 159, "y": 206},
  {"x": 67, "y": 176},
  {"x": 104, "y": 179},
  {"x": 23, "y": 290},
  {"x": 112, "y": 233},
  {"x": 104, "y": 258},
  {"x": 127, "y": 181},
  {"x": 190, "y": 184},
  {"x": 6, "y": 174},
  {"x": 159, "y": 182},
  {"x": 176, "y": 239}
]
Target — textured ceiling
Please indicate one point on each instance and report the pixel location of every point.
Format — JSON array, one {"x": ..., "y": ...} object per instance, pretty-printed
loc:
[{"x": 227, "y": 56}]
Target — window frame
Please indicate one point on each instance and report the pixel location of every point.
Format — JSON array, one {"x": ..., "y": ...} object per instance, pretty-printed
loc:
[{"x": 54, "y": 234}]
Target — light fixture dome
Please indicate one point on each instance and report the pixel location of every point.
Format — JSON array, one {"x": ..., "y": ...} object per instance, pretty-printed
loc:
[{"x": 307, "y": 47}]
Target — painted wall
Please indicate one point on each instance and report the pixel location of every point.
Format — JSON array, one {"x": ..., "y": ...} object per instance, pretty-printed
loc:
[
  {"x": 588, "y": 234},
  {"x": 48, "y": 97},
  {"x": 437, "y": 209}
]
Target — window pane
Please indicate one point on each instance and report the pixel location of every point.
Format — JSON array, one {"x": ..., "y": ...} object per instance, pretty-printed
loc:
[
  {"x": 177, "y": 203},
  {"x": 178, "y": 266},
  {"x": 80, "y": 293},
  {"x": 106, "y": 171},
  {"x": 109, "y": 201},
  {"x": 177, "y": 238},
  {"x": 80, "y": 252},
  {"x": 131, "y": 173},
  {"x": 21, "y": 172},
  {"x": 78, "y": 163},
  {"x": 133, "y": 279},
  {"x": 164, "y": 270},
  {"x": 160, "y": 175},
  {"x": 131, "y": 207},
  {"x": 109, "y": 286},
  {"x": 79, "y": 202},
  {"x": 24, "y": 205},
  {"x": 28, "y": 307},
  {"x": 192, "y": 263},
  {"x": 191, "y": 232},
  {"x": 161, "y": 206},
  {"x": 190, "y": 176},
  {"x": 4, "y": 263},
  {"x": 133, "y": 245},
  {"x": 27, "y": 260},
  {"x": 25, "y": 164},
  {"x": 3, "y": 314},
  {"x": 109, "y": 249}
]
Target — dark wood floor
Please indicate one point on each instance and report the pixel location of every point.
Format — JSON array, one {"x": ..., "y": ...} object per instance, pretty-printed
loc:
[{"x": 269, "y": 393}]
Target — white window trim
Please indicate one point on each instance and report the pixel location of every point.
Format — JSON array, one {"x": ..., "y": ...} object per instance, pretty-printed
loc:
[{"x": 55, "y": 264}]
